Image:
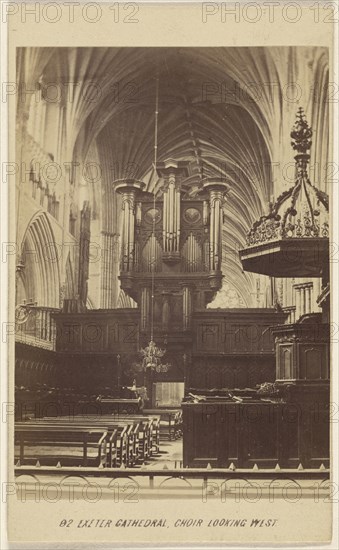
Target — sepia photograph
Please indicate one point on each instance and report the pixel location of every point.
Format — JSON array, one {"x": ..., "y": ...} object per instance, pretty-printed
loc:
[{"x": 172, "y": 284}]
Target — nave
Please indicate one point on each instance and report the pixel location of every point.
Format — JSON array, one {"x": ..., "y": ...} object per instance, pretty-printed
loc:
[{"x": 184, "y": 266}]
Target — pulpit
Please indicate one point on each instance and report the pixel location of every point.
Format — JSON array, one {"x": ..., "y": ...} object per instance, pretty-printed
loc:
[
  {"x": 282, "y": 422},
  {"x": 298, "y": 222},
  {"x": 292, "y": 239}
]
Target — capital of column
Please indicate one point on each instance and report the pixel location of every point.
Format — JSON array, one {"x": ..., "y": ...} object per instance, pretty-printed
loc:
[
  {"x": 128, "y": 189},
  {"x": 124, "y": 186},
  {"x": 300, "y": 286},
  {"x": 218, "y": 186}
]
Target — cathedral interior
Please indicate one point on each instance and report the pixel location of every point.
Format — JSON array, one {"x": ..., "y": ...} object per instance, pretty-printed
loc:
[{"x": 172, "y": 270}]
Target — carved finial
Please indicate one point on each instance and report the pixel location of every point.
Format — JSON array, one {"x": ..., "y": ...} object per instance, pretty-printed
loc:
[{"x": 301, "y": 133}]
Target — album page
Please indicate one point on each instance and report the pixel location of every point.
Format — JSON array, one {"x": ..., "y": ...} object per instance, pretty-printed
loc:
[{"x": 171, "y": 331}]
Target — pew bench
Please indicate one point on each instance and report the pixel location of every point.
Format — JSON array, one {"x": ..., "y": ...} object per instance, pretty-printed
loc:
[
  {"x": 130, "y": 438},
  {"x": 122, "y": 439},
  {"x": 149, "y": 434},
  {"x": 170, "y": 422},
  {"x": 119, "y": 440},
  {"x": 143, "y": 440},
  {"x": 75, "y": 446}
]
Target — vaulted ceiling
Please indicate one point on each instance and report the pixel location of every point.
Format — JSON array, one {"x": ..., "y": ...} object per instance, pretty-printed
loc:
[{"x": 225, "y": 110}]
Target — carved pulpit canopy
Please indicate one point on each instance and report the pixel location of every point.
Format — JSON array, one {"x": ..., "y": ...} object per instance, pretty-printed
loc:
[{"x": 292, "y": 239}]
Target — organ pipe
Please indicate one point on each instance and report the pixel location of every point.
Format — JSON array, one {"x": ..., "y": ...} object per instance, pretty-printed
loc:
[
  {"x": 217, "y": 193},
  {"x": 128, "y": 190},
  {"x": 171, "y": 215},
  {"x": 178, "y": 218},
  {"x": 190, "y": 257},
  {"x": 192, "y": 254},
  {"x": 138, "y": 214},
  {"x": 164, "y": 226},
  {"x": 174, "y": 219},
  {"x": 212, "y": 236},
  {"x": 168, "y": 224},
  {"x": 205, "y": 212}
]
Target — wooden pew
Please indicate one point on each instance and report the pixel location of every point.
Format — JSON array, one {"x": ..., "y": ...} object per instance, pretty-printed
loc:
[
  {"x": 143, "y": 438},
  {"x": 116, "y": 440},
  {"x": 36, "y": 442},
  {"x": 146, "y": 439},
  {"x": 149, "y": 434},
  {"x": 122, "y": 435},
  {"x": 131, "y": 437},
  {"x": 170, "y": 422},
  {"x": 118, "y": 446}
]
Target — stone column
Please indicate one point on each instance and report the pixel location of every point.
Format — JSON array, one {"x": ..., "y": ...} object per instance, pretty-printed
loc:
[
  {"x": 309, "y": 298},
  {"x": 303, "y": 300},
  {"x": 297, "y": 303}
]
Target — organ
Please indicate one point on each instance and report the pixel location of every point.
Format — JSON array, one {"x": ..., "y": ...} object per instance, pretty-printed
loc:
[
  {"x": 171, "y": 246},
  {"x": 170, "y": 265}
]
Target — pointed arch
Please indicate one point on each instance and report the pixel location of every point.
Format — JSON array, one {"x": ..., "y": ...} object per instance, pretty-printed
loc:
[
  {"x": 40, "y": 278},
  {"x": 125, "y": 301}
]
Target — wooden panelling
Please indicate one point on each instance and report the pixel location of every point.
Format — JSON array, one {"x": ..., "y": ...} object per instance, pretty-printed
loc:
[
  {"x": 98, "y": 331},
  {"x": 257, "y": 432},
  {"x": 235, "y": 331},
  {"x": 230, "y": 372}
]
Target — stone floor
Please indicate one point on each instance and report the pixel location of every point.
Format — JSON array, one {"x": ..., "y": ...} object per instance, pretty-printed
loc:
[
  {"x": 145, "y": 487},
  {"x": 170, "y": 455}
]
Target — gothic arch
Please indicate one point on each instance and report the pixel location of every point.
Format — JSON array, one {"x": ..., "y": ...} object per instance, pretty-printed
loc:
[
  {"x": 40, "y": 276},
  {"x": 124, "y": 301}
]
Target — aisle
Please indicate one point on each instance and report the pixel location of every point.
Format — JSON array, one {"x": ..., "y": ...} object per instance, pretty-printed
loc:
[{"x": 170, "y": 455}]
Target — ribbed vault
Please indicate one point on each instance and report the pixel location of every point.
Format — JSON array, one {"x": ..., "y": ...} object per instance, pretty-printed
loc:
[{"x": 228, "y": 111}]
